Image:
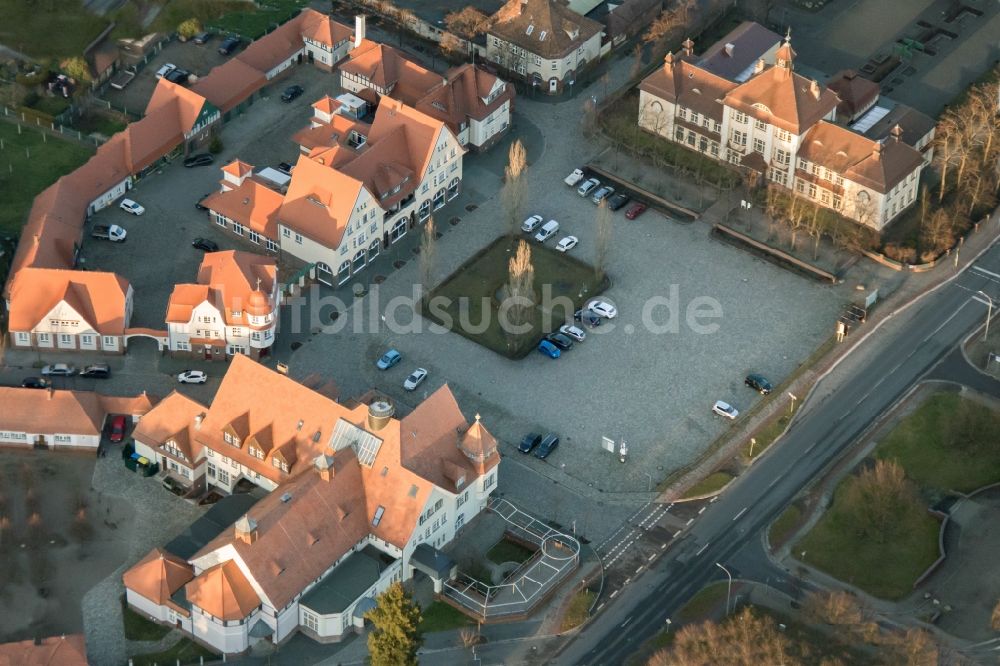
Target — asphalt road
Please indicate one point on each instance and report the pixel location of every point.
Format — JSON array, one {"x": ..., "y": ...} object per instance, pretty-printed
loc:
[{"x": 821, "y": 431}]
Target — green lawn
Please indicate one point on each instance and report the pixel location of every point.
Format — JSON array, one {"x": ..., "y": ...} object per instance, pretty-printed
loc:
[
  {"x": 48, "y": 28},
  {"x": 466, "y": 302},
  {"x": 704, "y": 604},
  {"x": 187, "y": 651},
  {"x": 578, "y": 610},
  {"x": 49, "y": 160},
  {"x": 920, "y": 445},
  {"x": 243, "y": 18},
  {"x": 508, "y": 551},
  {"x": 138, "y": 628},
  {"x": 440, "y": 616},
  {"x": 765, "y": 436},
  {"x": 782, "y": 528},
  {"x": 710, "y": 484},
  {"x": 885, "y": 570}
]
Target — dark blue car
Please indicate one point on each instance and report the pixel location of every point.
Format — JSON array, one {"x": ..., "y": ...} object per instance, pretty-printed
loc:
[{"x": 548, "y": 349}]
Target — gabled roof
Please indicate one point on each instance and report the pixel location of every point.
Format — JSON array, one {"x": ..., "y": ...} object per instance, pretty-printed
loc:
[
  {"x": 390, "y": 70},
  {"x": 319, "y": 201},
  {"x": 238, "y": 277},
  {"x": 462, "y": 94},
  {"x": 252, "y": 204},
  {"x": 99, "y": 298},
  {"x": 321, "y": 28},
  {"x": 880, "y": 166},
  {"x": 855, "y": 92},
  {"x": 790, "y": 101},
  {"x": 186, "y": 103},
  {"x": 275, "y": 47},
  {"x": 184, "y": 298},
  {"x": 173, "y": 418},
  {"x": 684, "y": 83},
  {"x": 336, "y": 132},
  {"x": 741, "y": 48},
  {"x": 68, "y": 650},
  {"x": 223, "y": 591},
  {"x": 229, "y": 84},
  {"x": 546, "y": 27},
  {"x": 50, "y": 411},
  {"x": 158, "y": 575}
]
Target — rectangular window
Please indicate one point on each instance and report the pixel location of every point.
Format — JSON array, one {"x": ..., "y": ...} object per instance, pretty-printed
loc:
[
  {"x": 740, "y": 117},
  {"x": 238, "y": 229},
  {"x": 270, "y": 245},
  {"x": 824, "y": 197},
  {"x": 379, "y": 512},
  {"x": 758, "y": 145},
  {"x": 837, "y": 202},
  {"x": 490, "y": 480},
  {"x": 109, "y": 341},
  {"x": 286, "y": 232},
  {"x": 682, "y": 113},
  {"x": 781, "y": 156},
  {"x": 298, "y": 238},
  {"x": 219, "y": 220},
  {"x": 760, "y": 124},
  {"x": 43, "y": 338},
  {"x": 812, "y": 190},
  {"x": 254, "y": 237},
  {"x": 23, "y": 338}
]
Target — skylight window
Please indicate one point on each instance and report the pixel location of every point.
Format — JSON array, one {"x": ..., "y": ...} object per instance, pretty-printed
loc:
[
  {"x": 531, "y": 29},
  {"x": 541, "y": 37},
  {"x": 378, "y": 516}
]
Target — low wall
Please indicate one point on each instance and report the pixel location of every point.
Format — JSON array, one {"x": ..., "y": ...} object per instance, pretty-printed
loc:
[
  {"x": 654, "y": 199},
  {"x": 775, "y": 254}
]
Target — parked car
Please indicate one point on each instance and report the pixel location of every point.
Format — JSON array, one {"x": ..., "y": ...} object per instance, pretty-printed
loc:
[
  {"x": 205, "y": 245},
  {"x": 202, "y": 37},
  {"x": 415, "y": 379},
  {"x": 588, "y": 186},
  {"x": 547, "y": 231},
  {"x": 588, "y": 317},
  {"x": 166, "y": 69},
  {"x": 192, "y": 377},
  {"x": 564, "y": 342},
  {"x": 201, "y": 159},
  {"x": 549, "y": 349},
  {"x": 285, "y": 168},
  {"x": 635, "y": 210},
  {"x": 199, "y": 205},
  {"x": 530, "y": 441},
  {"x": 178, "y": 76},
  {"x": 111, "y": 232},
  {"x": 59, "y": 370},
  {"x": 547, "y": 446},
  {"x": 567, "y": 243},
  {"x": 389, "y": 359},
  {"x": 574, "y": 332},
  {"x": 229, "y": 44},
  {"x": 34, "y": 382},
  {"x": 725, "y": 409},
  {"x": 132, "y": 207},
  {"x": 96, "y": 371},
  {"x": 602, "y": 194},
  {"x": 617, "y": 201},
  {"x": 117, "y": 429},
  {"x": 291, "y": 92},
  {"x": 603, "y": 309},
  {"x": 529, "y": 225},
  {"x": 758, "y": 383},
  {"x": 574, "y": 178}
]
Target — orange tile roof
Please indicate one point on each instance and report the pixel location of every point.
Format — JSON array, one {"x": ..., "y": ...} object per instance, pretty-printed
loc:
[
  {"x": 138, "y": 405},
  {"x": 51, "y": 411},
  {"x": 421, "y": 132},
  {"x": 158, "y": 575},
  {"x": 223, "y": 591},
  {"x": 321, "y": 28},
  {"x": 252, "y": 204},
  {"x": 275, "y": 47},
  {"x": 229, "y": 84},
  {"x": 99, "y": 298},
  {"x": 856, "y": 93},
  {"x": 239, "y": 277},
  {"x": 688, "y": 85},
  {"x": 326, "y": 104},
  {"x": 68, "y": 650},
  {"x": 880, "y": 166},
  {"x": 319, "y": 201},
  {"x": 563, "y": 29},
  {"x": 184, "y": 299},
  {"x": 336, "y": 132},
  {"x": 390, "y": 70},
  {"x": 187, "y": 103},
  {"x": 238, "y": 168},
  {"x": 173, "y": 418},
  {"x": 460, "y": 96}
]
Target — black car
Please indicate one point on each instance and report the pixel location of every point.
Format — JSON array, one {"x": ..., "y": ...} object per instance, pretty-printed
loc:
[
  {"x": 229, "y": 44},
  {"x": 547, "y": 446},
  {"x": 285, "y": 168},
  {"x": 178, "y": 76},
  {"x": 529, "y": 442},
  {"x": 589, "y": 317},
  {"x": 201, "y": 159},
  {"x": 199, "y": 205},
  {"x": 96, "y": 371},
  {"x": 758, "y": 383},
  {"x": 617, "y": 201},
  {"x": 34, "y": 382},
  {"x": 291, "y": 92},
  {"x": 205, "y": 244},
  {"x": 202, "y": 37},
  {"x": 560, "y": 340}
]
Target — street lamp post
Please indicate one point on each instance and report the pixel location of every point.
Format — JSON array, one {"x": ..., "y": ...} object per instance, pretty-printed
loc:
[
  {"x": 989, "y": 313},
  {"x": 791, "y": 406},
  {"x": 729, "y": 589}
]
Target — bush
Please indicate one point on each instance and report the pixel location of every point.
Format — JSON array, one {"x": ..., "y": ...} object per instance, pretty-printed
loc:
[
  {"x": 902, "y": 253},
  {"x": 215, "y": 147},
  {"x": 189, "y": 28}
]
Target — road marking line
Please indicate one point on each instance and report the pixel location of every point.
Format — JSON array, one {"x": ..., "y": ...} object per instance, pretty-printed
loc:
[
  {"x": 773, "y": 481},
  {"x": 600, "y": 606},
  {"x": 625, "y": 623},
  {"x": 677, "y": 533},
  {"x": 742, "y": 511},
  {"x": 979, "y": 300},
  {"x": 701, "y": 550},
  {"x": 980, "y": 269},
  {"x": 713, "y": 499},
  {"x": 650, "y": 558},
  {"x": 627, "y": 580},
  {"x": 614, "y": 594},
  {"x": 690, "y": 520},
  {"x": 639, "y": 569},
  {"x": 945, "y": 323},
  {"x": 701, "y": 511},
  {"x": 663, "y": 546}
]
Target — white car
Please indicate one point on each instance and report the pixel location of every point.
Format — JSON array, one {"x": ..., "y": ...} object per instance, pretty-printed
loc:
[
  {"x": 130, "y": 206},
  {"x": 166, "y": 69},
  {"x": 531, "y": 224},
  {"x": 725, "y": 409},
  {"x": 574, "y": 177},
  {"x": 603, "y": 309},
  {"x": 567, "y": 243},
  {"x": 59, "y": 370},
  {"x": 547, "y": 231},
  {"x": 192, "y": 377},
  {"x": 574, "y": 332},
  {"x": 415, "y": 379},
  {"x": 588, "y": 186}
]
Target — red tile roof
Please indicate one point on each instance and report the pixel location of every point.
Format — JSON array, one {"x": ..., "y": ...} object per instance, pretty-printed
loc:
[
  {"x": 880, "y": 166},
  {"x": 158, "y": 575},
  {"x": 68, "y": 650},
  {"x": 99, "y": 298},
  {"x": 64, "y": 412},
  {"x": 223, "y": 592},
  {"x": 252, "y": 204}
]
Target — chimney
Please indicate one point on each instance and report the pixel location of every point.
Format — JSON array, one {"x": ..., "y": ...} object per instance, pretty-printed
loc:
[
  {"x": 669, "y": 60},
  {"x": 688, "y": 47},
  {"x": 197, "y": 421},
  {"x": 51, "y": 391},
  {"x": 758, "y": 66},
  {"x": 877, "y": 151},
  {"x": 814, "y": 88},
  {"x": 359, "y": 29},
  {"x": 246, "y": 529},
  {"x": 730, "y": 47},
  {"x": 324, "y": 464},
  {"x": 897, "y": 132},
  {"x": 379, "y": 414}
]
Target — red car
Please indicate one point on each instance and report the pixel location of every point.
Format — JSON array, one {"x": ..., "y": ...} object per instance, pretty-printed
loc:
[
  {"x": 118, "y": 428},
  {"x": 635, "y": 210}
]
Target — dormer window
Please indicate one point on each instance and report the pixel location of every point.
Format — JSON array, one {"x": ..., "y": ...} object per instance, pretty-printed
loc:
[
  {"x": 237, "y": 313},
  {"x": 256, "y": 452},
  {"x": 279, "y": 464}
]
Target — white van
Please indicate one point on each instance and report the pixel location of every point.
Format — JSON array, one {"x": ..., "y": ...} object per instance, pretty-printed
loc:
[{"x": 547, "y": 231}]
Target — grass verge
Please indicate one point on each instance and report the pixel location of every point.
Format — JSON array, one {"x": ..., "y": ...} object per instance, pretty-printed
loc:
[
  {"x": 712, "y": 483},
  {"x": 764, "y": 437},
  {"x": 440, "y": 616},
  {"x": 702, "y": 605},
  {"x": 185, "y": 651},
  {"x": 783, "y": 527},
  {"x": 48, "y": 28},
  {"x": 508, "y": 551},
  {"x": 139, "y": 628},
  {"x": 248, "y": 20},
  {"x": 577, "y": 610},
  {"x": 23, "y": 175}
]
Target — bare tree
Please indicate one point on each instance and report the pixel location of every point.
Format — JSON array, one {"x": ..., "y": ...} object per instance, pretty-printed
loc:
[
  {"x": 947, "y": 147},
  {"x": 746, "y": 639},
  {"x": 520, "y": 291},
  {"x": 995, "y": 618},
  {"x": 428, "y": 256},
  {"x": 515, "y": 187},
  {"x": 662, "y": 28},
  {"x": 469, "y": 637},
  {"x": 602, "y": 238},
  {"x": 938, "y": 233},
  {"x": 836, "y": 607},
  {"x": 881, "y": 498},
  {"x": 452, "y": 45},
  {"x": 468, "y": 22}
]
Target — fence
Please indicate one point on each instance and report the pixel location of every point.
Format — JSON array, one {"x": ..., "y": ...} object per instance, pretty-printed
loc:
[{"x": 22, "y": 119}]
